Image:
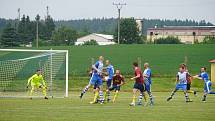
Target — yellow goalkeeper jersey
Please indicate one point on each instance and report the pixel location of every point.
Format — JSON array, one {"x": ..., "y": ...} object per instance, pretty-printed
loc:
[{"x": 36, "y": 80}]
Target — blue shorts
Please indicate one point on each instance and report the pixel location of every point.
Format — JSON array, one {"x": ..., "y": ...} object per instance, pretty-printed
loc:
[
  {"x": 181, "y": 86},
  {"x": 115, "y": 87},
  {"x": 148, "y": 87},
  {"x": 207, "y": 87},
  {"x": 96, "y": 79},
  {"x": 109, "y": 82},
  {"x": 139, "y": 87}
]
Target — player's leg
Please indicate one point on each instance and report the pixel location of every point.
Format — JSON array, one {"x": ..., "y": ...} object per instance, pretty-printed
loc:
[
  {"x": 96, "y": 95},
  {"x": 107, "y": 93},
  {"x": 134, "y": 97},
  {"x": 209, "y": 88},
  {"x": 43, "y": 91},
  {"x": 32, "y": 91},
  {"x": 189, "y": 90},
  {"x": 148, "y": 89},
  {"x": 100, "y": 82},
  {"x": 117, "y": 88},
  {"x": 142, "y": 94},
  {"x": 173, "y": 92},
  {"x": 91, "y": 82}
]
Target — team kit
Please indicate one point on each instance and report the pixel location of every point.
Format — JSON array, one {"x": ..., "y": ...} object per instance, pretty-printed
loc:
[{"x": 101, "y": 74}]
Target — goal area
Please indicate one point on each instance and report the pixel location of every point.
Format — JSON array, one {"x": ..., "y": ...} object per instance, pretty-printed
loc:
[{"x": 18, "y": 65}]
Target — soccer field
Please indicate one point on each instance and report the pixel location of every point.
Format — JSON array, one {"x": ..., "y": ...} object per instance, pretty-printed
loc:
[{"x": 72, "y": 109}]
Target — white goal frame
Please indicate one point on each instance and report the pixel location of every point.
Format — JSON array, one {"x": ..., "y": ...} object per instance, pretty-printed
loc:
[{"x": 67, "y": 61}]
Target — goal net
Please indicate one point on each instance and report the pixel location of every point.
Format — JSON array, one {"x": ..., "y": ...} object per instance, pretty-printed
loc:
[{"x": 18, "y": 65}]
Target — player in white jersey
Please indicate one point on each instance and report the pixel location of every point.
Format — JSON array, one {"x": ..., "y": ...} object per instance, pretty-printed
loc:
[{"x": 181, "y": 80}]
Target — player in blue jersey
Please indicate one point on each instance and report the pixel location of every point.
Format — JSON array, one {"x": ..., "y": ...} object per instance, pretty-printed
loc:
[
  {"x": 181, "y": 80},
  {"x": 147, "y": 81},
  {"x": 207, "y": 86},
  {"x": 96, "y": 78},
  {"x": 109, "y": 78}
]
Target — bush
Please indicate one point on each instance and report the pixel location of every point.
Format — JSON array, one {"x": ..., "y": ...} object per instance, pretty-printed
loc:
[
  {"x": 168, "y": 40},
  {"x": 209, "y": 40},
  {"x": 91, "y": 42}
]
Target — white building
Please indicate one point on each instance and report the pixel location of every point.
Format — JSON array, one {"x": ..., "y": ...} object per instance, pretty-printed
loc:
[{"x": 101, "y": 39}]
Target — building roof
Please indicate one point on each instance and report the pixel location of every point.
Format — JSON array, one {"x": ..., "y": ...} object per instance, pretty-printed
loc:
[
  {"x": 212, "y": 61},
  {"x": 183, "y": 27},
  {"x": 106, "y": 36}
]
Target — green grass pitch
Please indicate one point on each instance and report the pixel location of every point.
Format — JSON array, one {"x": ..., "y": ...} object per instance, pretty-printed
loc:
[{"x": 72, "y": 109}]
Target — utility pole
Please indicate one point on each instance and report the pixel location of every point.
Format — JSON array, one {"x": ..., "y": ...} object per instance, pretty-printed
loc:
[
  {"x": 18, "y": 14},
  {"x": 119, "y": 7},
  {"x": 37, "y": 37},
  {"x": 47, "y": 11}
]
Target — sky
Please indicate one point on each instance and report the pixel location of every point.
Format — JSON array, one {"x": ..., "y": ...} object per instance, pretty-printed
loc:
[{"x": 78, "y": 9}]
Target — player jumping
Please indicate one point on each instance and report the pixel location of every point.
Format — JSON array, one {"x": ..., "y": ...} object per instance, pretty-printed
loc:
[
  {"x": 96, "y": 78},
  {"x": 36, "y": 81},
  {"x": 207, "y": 86},
  {"x": 138, "y": 85},
  {"x": 181, "y": 80},
  {"x": 118, "y": 81},
  {"x": 147, "y": 81}
]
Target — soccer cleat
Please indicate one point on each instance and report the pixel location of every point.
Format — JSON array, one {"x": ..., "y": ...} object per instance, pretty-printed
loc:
[
  {"x": 31, "y": 98},
  {"x": 195, "y": 93},
  {"x": 81, "y": 95},
  {"x": 139, "y": 103},
  {"x": 151, "y": 103},
  {"x": 204, "y": 100},
  {"x": 132, "y": 104},
  {"x": 46, "y": 98},
  {"x": 168, "y": 99},
  {"x": 93, "y": 102},
  {"x": 108, "y": 100}
]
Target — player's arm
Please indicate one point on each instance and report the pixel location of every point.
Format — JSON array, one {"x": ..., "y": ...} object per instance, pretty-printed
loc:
[
  {"x": 29, "y": 80},
  {"x": 177, "y": 79},
  {"x": 43, "y": 82},
  {"x": 137, "y": 76},
  {"x": 123, "y": 81},
  {"x": 197, "y": 77}
]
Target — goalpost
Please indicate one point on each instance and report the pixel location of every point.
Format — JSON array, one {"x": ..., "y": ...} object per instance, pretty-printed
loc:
[{"x": 17, "y": 65}]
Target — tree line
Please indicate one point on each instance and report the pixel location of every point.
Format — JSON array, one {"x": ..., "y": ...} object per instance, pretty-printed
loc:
[{"x": 23, "y": 32}]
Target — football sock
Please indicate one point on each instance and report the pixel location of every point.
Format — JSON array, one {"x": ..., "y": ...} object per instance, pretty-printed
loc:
[{"x": 115, "y": 96}]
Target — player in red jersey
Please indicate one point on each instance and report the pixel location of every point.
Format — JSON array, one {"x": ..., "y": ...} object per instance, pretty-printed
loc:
[
  {"x": 138, "y": 85},
  {"x": 118, "y": 81}
]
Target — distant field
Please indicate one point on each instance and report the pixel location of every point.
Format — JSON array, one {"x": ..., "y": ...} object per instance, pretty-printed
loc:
[
  {"x": 164, "y": 59},
  {"x": 72, "y": 109}
]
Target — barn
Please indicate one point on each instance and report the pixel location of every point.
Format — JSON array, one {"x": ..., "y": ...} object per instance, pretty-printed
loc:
[{"x": 101, "y": 39}]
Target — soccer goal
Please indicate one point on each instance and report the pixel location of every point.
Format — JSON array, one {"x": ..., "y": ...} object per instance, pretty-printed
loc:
[{"x": 17, "y": 65}]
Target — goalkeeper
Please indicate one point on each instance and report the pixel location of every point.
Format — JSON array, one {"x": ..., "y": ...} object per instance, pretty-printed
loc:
[{"x": 36, "y": 82}]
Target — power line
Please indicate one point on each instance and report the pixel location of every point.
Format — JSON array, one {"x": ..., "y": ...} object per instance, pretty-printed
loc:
[{"x": 119, "y": 7}]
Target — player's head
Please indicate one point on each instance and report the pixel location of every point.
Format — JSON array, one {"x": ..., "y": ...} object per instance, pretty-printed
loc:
[
  {"x": 101, "y": 58},
  {"x": 39, "y": 71},
  {"x": 107, "y": 62},
  {"x": 181, "y": 68},
  {"x": 146, "y": 65},
  {"x": 203, "y": 69},
  {"x": 135, "y": 64},
  {"x": 117, "y": 72},
  {"x": 183, "y": 65}
]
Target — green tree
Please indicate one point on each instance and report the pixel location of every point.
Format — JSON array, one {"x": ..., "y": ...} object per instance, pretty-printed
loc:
[
  {"x": 129, "y": 33},
  {"x": 9, "y": 37},
  {"x": 64, "y": 35},
  {"x": 91, "y": 42},
  {"x": 49, "y": 27},
  {"x": 168, "y": 40},
  {"x": 209, "y": 40}
]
